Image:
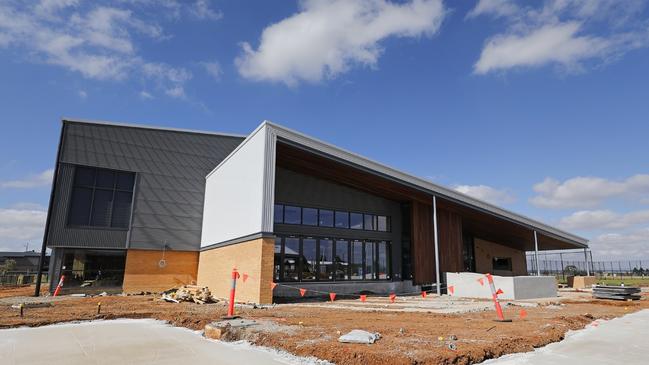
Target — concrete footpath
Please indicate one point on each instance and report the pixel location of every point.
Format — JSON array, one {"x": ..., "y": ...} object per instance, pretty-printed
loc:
[
  {"x": 623, "y": 340},
  {"x": 129, "y": 341}
]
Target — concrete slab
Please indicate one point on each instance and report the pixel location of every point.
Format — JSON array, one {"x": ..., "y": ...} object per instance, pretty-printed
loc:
[
  {"x": 129, "y": 341},
  {"x": 623, "y": 340}
]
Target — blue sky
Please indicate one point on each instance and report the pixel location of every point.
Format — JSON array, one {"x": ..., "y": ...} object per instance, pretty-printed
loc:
[{"x": 540, "y": 108}]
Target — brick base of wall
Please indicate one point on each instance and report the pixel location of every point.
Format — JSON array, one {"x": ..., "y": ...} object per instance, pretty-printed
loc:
[
  {"x": 254, "y": 258},
  {"x": 143, "y": 271}
]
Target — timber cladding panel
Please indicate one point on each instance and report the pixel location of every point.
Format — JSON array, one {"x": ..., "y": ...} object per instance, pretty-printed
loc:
[
  {"x": 143, "y": 271},
  {"x": 423, "y": 243},
  {"x": 449, "y": 227},
  {"x": 254, "y": 258}
]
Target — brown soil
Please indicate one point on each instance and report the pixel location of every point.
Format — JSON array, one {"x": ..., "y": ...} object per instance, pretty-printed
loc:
[{"x": 407, "y": 338}]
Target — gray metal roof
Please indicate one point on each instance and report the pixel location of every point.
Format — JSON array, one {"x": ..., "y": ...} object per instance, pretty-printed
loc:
[
  {"x": 157, "y": 128},
  {"x": 423, "y": 184}
]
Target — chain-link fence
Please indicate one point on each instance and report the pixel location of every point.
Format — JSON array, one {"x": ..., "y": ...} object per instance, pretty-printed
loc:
[
  {"x": 564, "y": 264},
  {"x": 13, "y": 278}
]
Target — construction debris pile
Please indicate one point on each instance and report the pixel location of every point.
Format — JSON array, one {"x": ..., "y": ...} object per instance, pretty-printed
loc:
[
  {"x": 616, "y": 292},
  {"x": 189, "y": 293}
]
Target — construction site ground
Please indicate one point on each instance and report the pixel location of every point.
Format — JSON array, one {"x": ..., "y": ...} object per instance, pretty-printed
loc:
[{"x": 413, "y": 330}]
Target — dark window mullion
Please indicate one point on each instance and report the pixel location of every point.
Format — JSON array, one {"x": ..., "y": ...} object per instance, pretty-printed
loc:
[
  {"x": 112, "y": 203},
  {"x": 300, "y": 257},
  {"x": 282, "y": 258},
  {"x": 349, "y": 260},
  {"x": 92, "y": 203},
  {"x": 317, "y": 258}
]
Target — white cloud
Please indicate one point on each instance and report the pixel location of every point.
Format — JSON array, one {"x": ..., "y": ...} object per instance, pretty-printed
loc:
[
  {"x": 213, "y": 69},
  {"x": 201, "y": 9},
  {"x": 42, "y": 179},
  {"x": 588, "y": 192},
  {"x": 487, "y": 193},
  {"x": 83, "y": 94},
  {"x": 556, "y": 43},
  {"x": 145, "y": 95},
  {"x": 176, "y": 92},
  {"x": 326, "y": 38},
  {"x": 496, "y": 8},
  {"x": 568, "y": 34},
  {"x": 19, "y": 225},
  {"x": 631, "y": 245},
  {"x": 97, "y": 41},
  {"x": 604, "y": 219}
]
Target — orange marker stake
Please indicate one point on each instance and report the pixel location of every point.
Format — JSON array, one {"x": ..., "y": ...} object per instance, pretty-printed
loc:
[
  {"x": 363, "y": 298},
  {"x": 392, "y": 297},
  {"x": 523, "y": 314},
  {"x": 233, "y": 289},
  {"x": 58, "y": 287},
  {"x": 423, "y": 294},
  {"x": 332, "y": 296}
]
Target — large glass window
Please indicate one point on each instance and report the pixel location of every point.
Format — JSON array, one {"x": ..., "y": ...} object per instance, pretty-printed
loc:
[
  {"x": 93, "y": 268},
  {"x": 310, "y": 216},
  {"x": 357, "y": 260},
  {"x": 325, "y": 259},
  {"x": 383, "y": 261},
  {"x": 342, "y": 219},
  {"x": 278, "y": 214},
  {"x": 326, "y": 218},
  {"x": 355, "y": 221},
  {"x": 289, "y": 214},
  {"x": 342, "y": 260},
  {"x": 309, "y": 257},
  {"x": 369, "y": 222},
  {"x": 292, "y": 215},
  {"x": 101, "y": 198},
  {"x": 369, "y": 260},
  {"x": 291, "y": 256},
  {"x": 382, "y": 223}
]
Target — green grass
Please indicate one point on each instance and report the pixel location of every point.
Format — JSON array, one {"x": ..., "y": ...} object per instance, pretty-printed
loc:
[
  {"x": 615, "y": 281},
  {"x": 627, "y": 282}
]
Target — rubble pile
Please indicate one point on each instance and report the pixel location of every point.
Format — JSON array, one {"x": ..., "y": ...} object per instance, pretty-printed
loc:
[{"x": 188, "y": 293}]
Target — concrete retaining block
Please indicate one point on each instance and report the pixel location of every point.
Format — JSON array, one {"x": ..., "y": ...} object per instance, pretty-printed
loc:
[{"x": 467, "y": 285}]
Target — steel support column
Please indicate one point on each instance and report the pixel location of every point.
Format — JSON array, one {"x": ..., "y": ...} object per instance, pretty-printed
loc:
[
  {"x": 437, "y": 274},
  {"x": 536, "y": 254},
  {"x": 587, "y": 265}
]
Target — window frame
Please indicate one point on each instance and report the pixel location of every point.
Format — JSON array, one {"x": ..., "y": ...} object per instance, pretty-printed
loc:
[
  {"x": 335, "y": 213},
  {"x": 114, "y": 190},
  {"x": 334, "y": 242}
]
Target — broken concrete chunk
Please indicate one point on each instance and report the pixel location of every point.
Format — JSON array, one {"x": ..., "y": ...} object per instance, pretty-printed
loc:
[
  {"x": 228, "y": 330},
  {"x": 359, "y": 336}
]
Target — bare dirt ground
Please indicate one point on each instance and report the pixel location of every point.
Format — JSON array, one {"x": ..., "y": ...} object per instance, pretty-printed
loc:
[{"x": 407, "y": 337}]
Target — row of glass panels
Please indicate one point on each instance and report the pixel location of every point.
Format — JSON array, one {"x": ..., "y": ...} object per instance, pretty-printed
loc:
[
  {"x": 327, "y": 259},
  {"x": 289, "y": 214}
]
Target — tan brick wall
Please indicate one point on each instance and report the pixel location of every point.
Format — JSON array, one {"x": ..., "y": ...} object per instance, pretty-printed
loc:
[
  {"x": 485, "y": 251},
  {"x": 142, "y": 272},
  {"x": 254, "y": 258}
]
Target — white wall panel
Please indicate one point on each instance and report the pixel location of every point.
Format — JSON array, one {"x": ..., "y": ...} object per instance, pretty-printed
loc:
[{"x": 237, "y": 198}]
